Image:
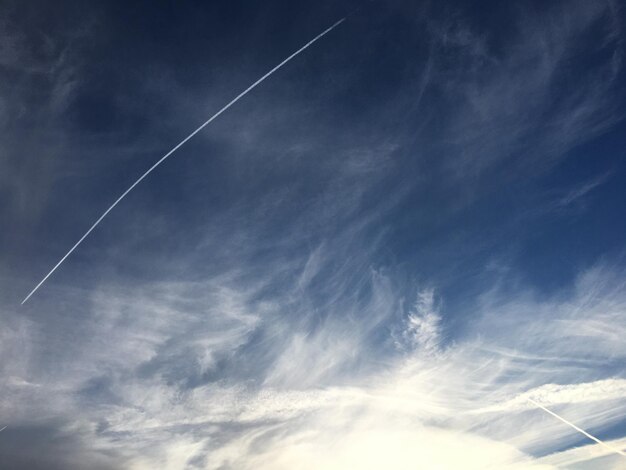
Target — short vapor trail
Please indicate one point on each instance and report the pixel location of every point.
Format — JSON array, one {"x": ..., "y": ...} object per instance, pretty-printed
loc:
[
  {"x": 3, "y": 429},
  {"x": 585, "y": 433},
  {"x": 237, "y": 98}
]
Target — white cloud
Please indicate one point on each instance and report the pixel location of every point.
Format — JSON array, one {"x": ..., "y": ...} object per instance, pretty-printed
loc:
[
  {"x": 552, "y": 394},
  {"x": 160, "y": 365},
  {"x": 423, "y": 328}
]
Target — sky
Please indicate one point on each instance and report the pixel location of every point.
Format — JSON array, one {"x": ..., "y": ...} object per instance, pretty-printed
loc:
[{"x": 379, "y": 257}]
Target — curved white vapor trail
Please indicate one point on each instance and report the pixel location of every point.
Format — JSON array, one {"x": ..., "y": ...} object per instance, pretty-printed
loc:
[
  {"x": 208, "y": 121},
  {"x": 582, "y": 431}
]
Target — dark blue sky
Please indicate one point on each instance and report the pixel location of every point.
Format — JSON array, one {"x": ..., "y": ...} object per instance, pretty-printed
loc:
[{"x": 431, "y": 187}]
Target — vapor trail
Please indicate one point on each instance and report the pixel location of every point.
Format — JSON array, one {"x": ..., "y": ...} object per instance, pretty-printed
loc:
[
  {"x": 3, "y": 429},
  {"x": 582, "y": 431},
  {"x": 237, "y": 98}
]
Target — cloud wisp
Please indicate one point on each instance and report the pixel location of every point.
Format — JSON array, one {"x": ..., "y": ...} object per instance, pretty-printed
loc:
[
  {"x": 180, "y": 144},
  {"x": 573, "y": 426}
]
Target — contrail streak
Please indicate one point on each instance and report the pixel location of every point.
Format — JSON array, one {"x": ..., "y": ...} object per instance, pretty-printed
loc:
[
  {"x": 207, "y": 122},
  {"x": 582, "y": 431},
  {"x": 3, "y": 429}
]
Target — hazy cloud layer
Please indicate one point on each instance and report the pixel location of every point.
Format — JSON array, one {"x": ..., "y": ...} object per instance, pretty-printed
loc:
[{"x": 342, "y": 271}]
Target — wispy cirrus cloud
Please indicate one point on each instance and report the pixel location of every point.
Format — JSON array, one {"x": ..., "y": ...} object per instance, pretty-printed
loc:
[
  {"x": 516, "y": 104},
  {"x": 173, "y": 379},
  {"x": 261, "y": 303}
]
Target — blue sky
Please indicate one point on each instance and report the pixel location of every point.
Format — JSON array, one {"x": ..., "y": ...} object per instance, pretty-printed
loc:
[{"x": 374, "y": 258}]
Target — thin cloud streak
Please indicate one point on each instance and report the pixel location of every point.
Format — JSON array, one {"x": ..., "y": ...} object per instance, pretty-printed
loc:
[
  {"x": 162, "y": 159},
  {"x": 572, "y": 425}
]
